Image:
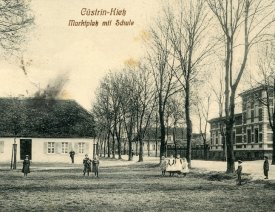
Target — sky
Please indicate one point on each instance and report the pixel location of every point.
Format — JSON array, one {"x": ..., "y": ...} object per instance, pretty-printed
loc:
[{"x": 81, "y": 55}]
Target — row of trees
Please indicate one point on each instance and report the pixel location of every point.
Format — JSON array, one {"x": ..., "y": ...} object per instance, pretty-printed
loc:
[{"x": 181, "y": 49}]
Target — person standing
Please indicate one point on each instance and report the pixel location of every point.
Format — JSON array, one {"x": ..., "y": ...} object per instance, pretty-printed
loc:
[
  {"x": 95, "y": 165},
  {"x": 163, "y": 165},
  {"x": 266, "y": 167},
  {"x": 87, "y": 165},
  {"x": 239, "y": 172},
  {"x": 26, "y": 166},
  {"x": 178, "y": 164},
  {"x": 185, "y": 168},
  {"x": 171, "y": 166},
  {"x": 72, "y": 153}
]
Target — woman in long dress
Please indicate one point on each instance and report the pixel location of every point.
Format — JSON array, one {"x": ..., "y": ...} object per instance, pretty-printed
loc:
[
  {"x": 171, "y": 165},
  {"x": 185, "y": 168},
  {"x": 178, "y": 164}
]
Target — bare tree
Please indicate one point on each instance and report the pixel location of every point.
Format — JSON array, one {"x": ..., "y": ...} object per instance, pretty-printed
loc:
[
  {"x": 176, "y": 116},
  {"x": 144, "y": 104},
  {"x": 189, "y": 35},
  {"x": 203, "y": 106},
  {"x": 103, "y": 112},
  {"x": 161, "y": 61},
  {"x": 242, "y": 24},
  {"x": 15, "y": 19},
  {"x": 218, "y": 91}
]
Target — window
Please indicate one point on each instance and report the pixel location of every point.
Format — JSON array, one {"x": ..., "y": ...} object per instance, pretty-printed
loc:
[
  {"x": 252, "y": 115},
  {"x": 260, "y": 128},
  {"x": 269, "y": 136},
  {"x": 270, "y": 102},
  {"x": 248, "y": 136},
  {"x": 50, "y": 147},
  {"x": 244, "y": 117},
  {"x": 238, "y": 130},
  {"x": 260, "y": 137},
  {"x": 154, "y": 147},
  {"x": 65, "y": 146},
  {"x": 239, "y": 139},
  {"x": 81, "y": 147},
  {"x": 256, "y": 135},
  {"x": 252, "y": 104}
]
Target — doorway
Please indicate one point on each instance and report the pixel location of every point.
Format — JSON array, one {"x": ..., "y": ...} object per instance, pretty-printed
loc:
[{"x": 25, "y": 148}]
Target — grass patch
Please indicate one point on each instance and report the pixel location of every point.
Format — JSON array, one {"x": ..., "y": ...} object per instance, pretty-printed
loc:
[{"x": 136, "y": 187}]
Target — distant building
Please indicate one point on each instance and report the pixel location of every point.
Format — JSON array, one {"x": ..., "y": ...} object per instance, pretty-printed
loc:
[
  {"x": 46, "y": 130},
  {"x": 152, "y": 143},
  {"x": 252, "y": 135}
]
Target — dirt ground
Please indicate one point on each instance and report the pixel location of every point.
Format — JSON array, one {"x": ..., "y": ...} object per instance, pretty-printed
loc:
[{"x": 131, "y": 186}]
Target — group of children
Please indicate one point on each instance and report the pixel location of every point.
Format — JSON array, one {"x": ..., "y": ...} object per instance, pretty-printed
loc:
[
  {"x": 87, "y": 162},
  {"x": 174, "y": 165},
  {"x": 89, "y": 165}
]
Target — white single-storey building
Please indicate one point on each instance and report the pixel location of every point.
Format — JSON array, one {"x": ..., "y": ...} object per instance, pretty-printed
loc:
[{"x": 45, "y": 129}]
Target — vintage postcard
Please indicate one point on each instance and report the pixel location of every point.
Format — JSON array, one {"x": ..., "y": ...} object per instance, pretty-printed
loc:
[{"x": 118, "y": 105}]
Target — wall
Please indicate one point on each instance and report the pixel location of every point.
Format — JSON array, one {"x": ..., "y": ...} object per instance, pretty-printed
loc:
[{"x": 40, "y": 149}]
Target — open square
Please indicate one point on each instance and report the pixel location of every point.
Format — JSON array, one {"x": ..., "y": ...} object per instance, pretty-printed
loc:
[{"x": 132, "y": 186}]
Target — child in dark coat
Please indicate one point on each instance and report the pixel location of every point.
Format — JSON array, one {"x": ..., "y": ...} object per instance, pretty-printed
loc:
[
  {"x": 95, "y": 166},
  {"x": 266, "y": 167},
  {"x": 26, "y": 166},
  {"x": 87, "y": 165}
]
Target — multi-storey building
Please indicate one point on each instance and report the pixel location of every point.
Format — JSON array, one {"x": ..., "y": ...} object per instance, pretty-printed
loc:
[{"x": 252, "y": 134}]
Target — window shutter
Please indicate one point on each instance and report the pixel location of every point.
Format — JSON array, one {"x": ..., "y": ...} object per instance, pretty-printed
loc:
[
  {"x": 87, "y": 147},
  {"x": 1, "y": 146},
  {"x": 45, "y": 147}
]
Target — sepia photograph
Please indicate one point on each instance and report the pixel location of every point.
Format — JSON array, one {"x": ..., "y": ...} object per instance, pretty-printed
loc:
[{"x": 118, "y": 105}]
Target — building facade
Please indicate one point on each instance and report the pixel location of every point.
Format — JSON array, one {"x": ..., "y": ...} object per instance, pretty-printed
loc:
[
  {"x": 46, "y": 130},
  {"x": 252, "y": 134}
]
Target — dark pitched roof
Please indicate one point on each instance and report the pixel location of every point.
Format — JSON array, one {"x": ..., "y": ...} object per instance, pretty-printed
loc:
[{"x": 33, "y": 117}]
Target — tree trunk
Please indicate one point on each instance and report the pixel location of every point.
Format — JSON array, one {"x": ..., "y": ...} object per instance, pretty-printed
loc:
[
  {"x": 108, "y": 145},
  {"x": 204, "y": 149},
  {"x": 162, "y": 133},
  {"x": 229, "y": 141},
  {"x": 174, "y": 139},
  {"x": 188, "y": 124},
  {"x": 119, "y": 148},
  {"x": 113, "y": 146},
  {"x": 130, "y": 156},
  {"x": 273, "y": 140},
  {"x": 140, "y": 158}
]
